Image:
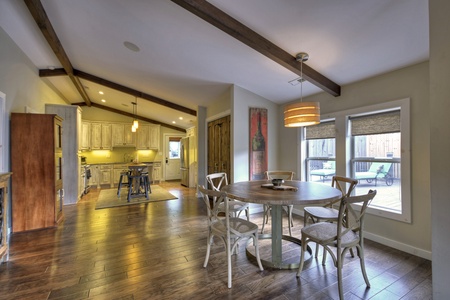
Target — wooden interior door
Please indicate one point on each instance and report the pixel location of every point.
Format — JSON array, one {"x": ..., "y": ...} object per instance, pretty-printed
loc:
[{"x": 219, "y": 146}]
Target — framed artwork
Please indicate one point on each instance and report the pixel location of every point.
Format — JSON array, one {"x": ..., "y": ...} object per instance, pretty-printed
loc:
[{"x": 258, "y": 143}]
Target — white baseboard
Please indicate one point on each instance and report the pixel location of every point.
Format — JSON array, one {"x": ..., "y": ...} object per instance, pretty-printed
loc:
[{"x": 388, "y": 242}]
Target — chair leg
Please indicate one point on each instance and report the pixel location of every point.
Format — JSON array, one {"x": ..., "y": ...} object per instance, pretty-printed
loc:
[
  {"x": 265, "y": 217},
  {"x": 130, "y": 187},
  {"x": 208, "y": 250},
  {"x": 339, "y": 274},
  {"x": 302, "y": 257},
  {"x": 258, "y": 258},
  {"x": 228, "y": 250},
  {"x": 363, "y": 265},
  {"x": 291, "y": 223}
]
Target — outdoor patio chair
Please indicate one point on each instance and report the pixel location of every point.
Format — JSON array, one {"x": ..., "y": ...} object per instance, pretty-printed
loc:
[{"x": 377, "y": 171}]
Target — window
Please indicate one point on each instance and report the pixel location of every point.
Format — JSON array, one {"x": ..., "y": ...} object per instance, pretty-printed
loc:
[
  {"x": 376, "y": 161},
  {"x": 320, "y": 152},
  {"x": 380, "y": 157},
  {"x": 174, "y": 147},
  {"x": 375, "y": 143}
]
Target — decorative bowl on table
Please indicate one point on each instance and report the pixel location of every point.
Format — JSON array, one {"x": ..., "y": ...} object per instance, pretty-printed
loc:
[{"x": 277, "y": 182}]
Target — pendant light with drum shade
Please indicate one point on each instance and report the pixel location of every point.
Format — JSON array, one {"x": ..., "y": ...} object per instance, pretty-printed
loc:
[
  {"x": 135, "y": 121},
  {"x": 302, "y": 113}
]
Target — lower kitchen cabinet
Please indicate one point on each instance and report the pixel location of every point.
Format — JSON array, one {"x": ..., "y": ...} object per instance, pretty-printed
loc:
[{"x": 156, "y": 173}]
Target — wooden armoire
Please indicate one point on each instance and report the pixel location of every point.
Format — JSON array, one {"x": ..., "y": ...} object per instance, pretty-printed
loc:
[
  {"x": 219, "y": 151},
  {"x": 36, "y": 162}
]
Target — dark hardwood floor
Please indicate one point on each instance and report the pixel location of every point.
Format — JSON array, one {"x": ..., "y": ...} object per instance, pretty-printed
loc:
[{"x": 156, "y": 251}]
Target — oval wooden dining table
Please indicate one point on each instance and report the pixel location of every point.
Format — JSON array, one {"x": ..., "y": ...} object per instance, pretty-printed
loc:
[{"x": 290, "y": 193}]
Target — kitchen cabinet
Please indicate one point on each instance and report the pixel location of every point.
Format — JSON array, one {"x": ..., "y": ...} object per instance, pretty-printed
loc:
[
  {"x": 148, "y": 137},
  {"x": 71, "y": 116},
  {"x": 101, "y": 175},
  {"x": 156, "y": 172},
  {"x": 36, "y": 162},
  {"x": 117, "y": 170},
  {"x": 101, "y": 134},
  {"x": 105, "y": 175},
  {"x": 122, "y": 136},
  {"x": 85, "y": 136},
  {"x": 4, "y": 245}
]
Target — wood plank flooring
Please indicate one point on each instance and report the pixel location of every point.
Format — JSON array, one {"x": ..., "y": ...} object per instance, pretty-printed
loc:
[{"x": 156, "y": 251}]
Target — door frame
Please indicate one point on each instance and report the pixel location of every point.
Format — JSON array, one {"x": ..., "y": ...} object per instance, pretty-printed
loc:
[
  {"x": 3, "y": 132},
  {"x": 166, "y": 137}
]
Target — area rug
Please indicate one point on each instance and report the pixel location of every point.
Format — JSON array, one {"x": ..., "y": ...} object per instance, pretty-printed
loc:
[{"x": 108, "y": 198}]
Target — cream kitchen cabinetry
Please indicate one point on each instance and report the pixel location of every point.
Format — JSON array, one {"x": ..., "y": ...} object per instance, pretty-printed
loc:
[
  {"x": 122, "y": 136},
  {"x": 117, "y": 170},
  {"x": 105, "y": 175},
  {"x": 85, "y": 136},
  {"x": 101, "y": 136},
  {"x": 156, "y": 173},
  {"x": 148, "y": 137},
  {"x": 101, "y": 175}
]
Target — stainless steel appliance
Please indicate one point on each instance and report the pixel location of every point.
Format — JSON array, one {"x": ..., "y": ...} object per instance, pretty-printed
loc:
[
  {"x": 85, "y": 176},
  {"x": 184, "y": 161}
]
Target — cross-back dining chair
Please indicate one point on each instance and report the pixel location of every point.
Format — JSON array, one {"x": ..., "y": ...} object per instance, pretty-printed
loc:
[
  {"x": 342, "y": 235},
  {"x": 216, "y": 181},
  {"x": 327, "y": 212},
  {"x": 230, "y": 230},
  {"x": 286, "y": 175}
]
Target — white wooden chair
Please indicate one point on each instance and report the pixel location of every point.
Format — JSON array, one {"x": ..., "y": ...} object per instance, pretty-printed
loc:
[
  {"x": 216, "y": 181},
  {"x": 328, "y": 212},
  {"x": 286, "y": 175},
  {"x": 342, "y": 235},
  {"x": 229, "y": 229}
]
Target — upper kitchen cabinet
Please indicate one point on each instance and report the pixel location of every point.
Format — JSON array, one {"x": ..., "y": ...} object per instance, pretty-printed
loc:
[
  {"x": 85, "y": 136},
  {"x": 122, "y": 136},
  {"x": 148, "y": 137},
  {"x": 71, "y": 116},
  {"x": 101, "y": 136}
]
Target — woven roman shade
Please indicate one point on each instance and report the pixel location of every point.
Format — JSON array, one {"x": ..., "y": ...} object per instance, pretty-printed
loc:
[
  {"x": 388, "y": 122},
  {"x": 324, "y": 130}
]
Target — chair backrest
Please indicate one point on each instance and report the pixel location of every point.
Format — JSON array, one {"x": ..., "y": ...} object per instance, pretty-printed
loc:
[
  {"x": 341, "y": 182},
  {"x": 217, "y": 180},
  {"x": 287, "y": 175},
  {"x": 212, "y": 199},
  {"x": 353, "y": 215}
]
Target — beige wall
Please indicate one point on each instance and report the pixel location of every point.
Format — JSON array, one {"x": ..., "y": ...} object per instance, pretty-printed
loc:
[
  {"x": 413, "y": 83},
  {"x": 440, "y": 144},
  {"x": 20, "y": 82}
]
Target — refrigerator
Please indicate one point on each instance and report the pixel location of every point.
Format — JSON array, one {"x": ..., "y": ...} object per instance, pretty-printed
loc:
[{"x": 184, "y": 161}]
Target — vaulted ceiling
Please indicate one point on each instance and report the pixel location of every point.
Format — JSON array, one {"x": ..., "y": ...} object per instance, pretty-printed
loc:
[{"x": 173, "y": 56}]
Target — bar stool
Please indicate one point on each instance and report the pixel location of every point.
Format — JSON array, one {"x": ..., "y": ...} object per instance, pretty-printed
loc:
[
  {"x": 122, "y": 176},
  {"x": 135, "y": 184}
]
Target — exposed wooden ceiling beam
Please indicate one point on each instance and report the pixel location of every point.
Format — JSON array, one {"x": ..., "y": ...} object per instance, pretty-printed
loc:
[
  {"x": 124, "y": 113},
  {"x": 40, "y": 16},
  {"x": 226, "y": 23},
  {"x": 118, "y": 87}
]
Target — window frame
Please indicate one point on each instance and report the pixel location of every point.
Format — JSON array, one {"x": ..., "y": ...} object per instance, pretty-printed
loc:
[{"x": 344, "y": 150}]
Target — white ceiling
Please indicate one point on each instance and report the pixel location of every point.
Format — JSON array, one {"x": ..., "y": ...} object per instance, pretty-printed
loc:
[{"x": 188, "y": 61}]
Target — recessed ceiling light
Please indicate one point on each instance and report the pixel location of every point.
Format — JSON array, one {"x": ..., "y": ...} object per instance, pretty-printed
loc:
[
  {"x": 173, "y": 122},
  {"x": 100, "y": 92},
  {"x": 181, "y": 118},
  {"x": 131, "y": 46},
  {"x": 103, "y": 100}
]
